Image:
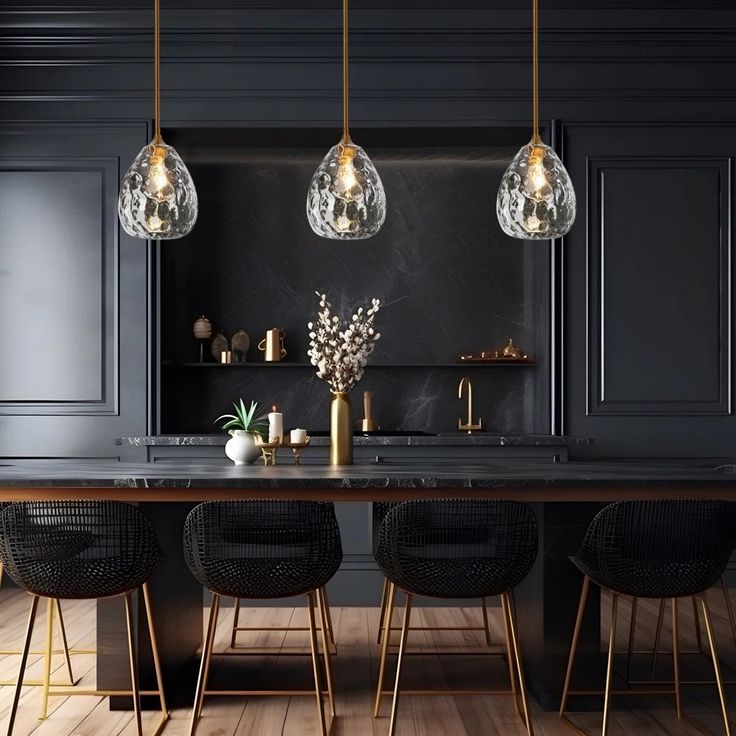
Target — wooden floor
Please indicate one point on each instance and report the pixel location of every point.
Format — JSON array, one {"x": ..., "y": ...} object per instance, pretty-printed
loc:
[{"x": 355, "y": 673}]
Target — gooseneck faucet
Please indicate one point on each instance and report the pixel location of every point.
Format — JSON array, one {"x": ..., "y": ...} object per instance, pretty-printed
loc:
[{"x": 468, "y": 427}]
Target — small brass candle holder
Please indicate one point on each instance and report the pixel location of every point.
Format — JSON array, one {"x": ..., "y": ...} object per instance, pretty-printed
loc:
[
  {"x": 296, "y": 448},
  {"x": 268, "y": 449}
]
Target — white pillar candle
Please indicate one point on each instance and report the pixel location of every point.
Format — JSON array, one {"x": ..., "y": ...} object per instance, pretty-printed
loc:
[
  {"x": 275, "y": 426},
  {"x": 298, "y": 436}
]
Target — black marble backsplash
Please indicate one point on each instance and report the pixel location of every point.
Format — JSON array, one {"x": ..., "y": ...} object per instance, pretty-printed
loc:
[{"x": 450, "y": 281}]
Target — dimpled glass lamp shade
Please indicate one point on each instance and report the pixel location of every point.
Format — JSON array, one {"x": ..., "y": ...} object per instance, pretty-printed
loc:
[
  {"x": 536, "y": 199},
  {"x": 157, "y": 198},
  {"x": 346, "y": 200}
]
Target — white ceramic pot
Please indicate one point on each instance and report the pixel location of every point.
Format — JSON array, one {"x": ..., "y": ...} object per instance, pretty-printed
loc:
[{"x": 241, "y": 448}]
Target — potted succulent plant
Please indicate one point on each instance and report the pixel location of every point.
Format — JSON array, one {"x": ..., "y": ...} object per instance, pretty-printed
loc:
[{"x": 242, "y": 426}]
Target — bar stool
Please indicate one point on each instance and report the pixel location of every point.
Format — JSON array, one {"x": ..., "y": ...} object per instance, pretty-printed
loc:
[
  {"x": 380, "y": 509},
  {"x": 654, "y": 549},
  {"x": 82, "y": 550},
  {"x": 264, "y": 550},
  {"x": 454, "y": 550}
]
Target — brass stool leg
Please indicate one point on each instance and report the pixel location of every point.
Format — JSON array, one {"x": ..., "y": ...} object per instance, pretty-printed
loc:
[
  {"x": 23, "y": 662},
  {"x": 609, "y": 668},
  {"x": 657, "y": 639},
  {"x": 510, "y": 657},
  {"x": 389, "y": 611},
  {"x": 315, "y": 663},
  {"x": 236, "y": 621},
  {"x": 402, "y": 647},
  {"x": 698, "y": 633},
  {"x": 676, "y": 657},
  {"x": 382, "y": 614},
  {"x": 508, "y": 600},
  {"x": 154, "y": 651},
  {"x": 729, "y": 608},
  {"x": 204, "y": 664},
  {"x": 486, "y": 627},
  {"x": 574, "y": 645},
  {"x": 64, "y": 642},
  {"x": 632, "y": 634},
  {"x": 133, "y": 667},
  {"x": 326, "y": 647},
  {"x": 716, "y": 665},
  {"x": 47, "y": 658},
  {"x": 328, "y": 619}
]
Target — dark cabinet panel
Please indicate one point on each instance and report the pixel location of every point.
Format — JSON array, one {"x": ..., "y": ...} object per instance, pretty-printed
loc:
[
  {"x": 73, "y": 293},
  {"x": 648, "y": 308}
]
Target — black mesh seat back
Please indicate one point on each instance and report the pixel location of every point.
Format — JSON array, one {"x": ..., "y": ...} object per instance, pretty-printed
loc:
[
  {"x": 262, "y": 549},
  {"x": 659, "y": 549},
  {"x": 379, "y": 511},
  {"x": 77, "y": 549},
  {"x": 457, "y": 548}
]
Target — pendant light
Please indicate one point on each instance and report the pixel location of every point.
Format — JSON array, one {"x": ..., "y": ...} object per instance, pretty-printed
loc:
[
  {"x": 157, "y": 199},
  {"x": 536, "y": 199},
  {"x": 346, "y": 200}
]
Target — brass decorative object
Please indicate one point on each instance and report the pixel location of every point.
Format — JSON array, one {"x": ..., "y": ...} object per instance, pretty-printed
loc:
[
  {"x": 468, "y": 426},
  {"x": 239, "y": 344},
  {"x": 341, "y": 429},
  {"x": 368, "y": 424},
  {"x": 272, "y": 346},
  {"x": 509, "y": 353},
  {"x": 296, "y": 448},
  {"x": 268, "y": 449},
  {"x": 202, "y": 331}
]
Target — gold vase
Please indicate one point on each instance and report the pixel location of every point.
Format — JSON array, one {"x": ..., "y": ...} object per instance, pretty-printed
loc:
[{"x": 341, "y": 429}]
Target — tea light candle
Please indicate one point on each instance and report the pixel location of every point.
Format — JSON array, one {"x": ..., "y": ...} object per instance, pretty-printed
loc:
[
  {"x": 298, "y": 436},
  {"x": 275, "y": 425}
]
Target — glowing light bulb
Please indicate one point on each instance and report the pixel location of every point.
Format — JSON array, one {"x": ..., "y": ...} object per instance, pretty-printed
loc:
[{"x": 346, "y": 199}]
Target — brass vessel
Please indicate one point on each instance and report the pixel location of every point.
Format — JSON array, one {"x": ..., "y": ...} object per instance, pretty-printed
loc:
[{"x": 341, "y": 429}]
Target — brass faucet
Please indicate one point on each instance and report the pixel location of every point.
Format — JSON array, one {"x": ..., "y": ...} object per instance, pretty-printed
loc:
[{"x": 468, "y": 427}]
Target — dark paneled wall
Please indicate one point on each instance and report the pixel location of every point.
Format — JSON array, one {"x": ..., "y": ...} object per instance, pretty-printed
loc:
[{"x": 643, "y": 100}]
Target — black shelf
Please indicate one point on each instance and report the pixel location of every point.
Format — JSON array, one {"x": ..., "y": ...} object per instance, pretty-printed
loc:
[{"x": 287, "y": 364}]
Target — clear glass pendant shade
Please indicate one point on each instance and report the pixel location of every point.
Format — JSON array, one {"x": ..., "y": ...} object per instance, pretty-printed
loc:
[
  {"x": 157, "y": 199},
  {"x": 346, "y": 200},
  {"x": 536, "y": 199}
]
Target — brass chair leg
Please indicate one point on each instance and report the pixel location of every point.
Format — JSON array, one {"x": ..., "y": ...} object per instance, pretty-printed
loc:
[
  {"x": 729, "y": 608},
  {"x": 609, "y": 668},
  {"x": 698, "y": 633},
  {"x": 204, "y": 664},
  {"x": 65, "y": 643},
  {"x": 657, "y": 639},
  {"x": 315, "y": 663},
  {"x": 511, "y": 612},
  {"x": 388, "y": 615},
  {"x": 486, "y": 627},
  {"x": 133, "y": 667},
  {"x": 716, "y": 665},
  {"x": 574, "y": 644},
  {"x": 328, "y": 618},
  {"x": 154, "y": 651},
  {"x": 47, "y": 658},
  {"x": 632, "y": 634},
  {"x": 23, "y": 662},
  {"x": 676, "y": 658},
  {"x": 326, "y": 647},
  {"x": 399, "y": 661},
  {"x": 382, "y": 613},
  {"x": 510, "y": 657},
  {"x": 236, "y": 621}
]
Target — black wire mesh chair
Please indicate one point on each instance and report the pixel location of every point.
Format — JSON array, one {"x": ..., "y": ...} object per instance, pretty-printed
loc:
[
  {"x": 264, "y": 550},
  {"x": 82, "y": 550},
  {"x": 654, "y": 549},
  {"x": 457, "y": 549},
  {"x": 380, "y": 509}
]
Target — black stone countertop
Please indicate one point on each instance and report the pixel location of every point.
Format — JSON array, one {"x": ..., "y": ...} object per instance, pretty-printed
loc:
[
  {"x": 519, "y": 474},
  {"x": 456, "y": 439}
]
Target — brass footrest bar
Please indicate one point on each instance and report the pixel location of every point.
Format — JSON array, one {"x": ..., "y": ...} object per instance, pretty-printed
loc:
[
  {"x": 451, "y": 692},
  {"x": 263, "y": 692},
  {"x": 37, "y": 683},
  {"x": 38, "y": 652}
]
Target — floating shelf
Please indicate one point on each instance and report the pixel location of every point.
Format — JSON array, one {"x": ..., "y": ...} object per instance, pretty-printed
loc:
[{"x": 287, "y": 364}]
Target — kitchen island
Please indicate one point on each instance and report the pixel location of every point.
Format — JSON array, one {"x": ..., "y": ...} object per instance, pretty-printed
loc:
[{"x": 565, "y": 497}]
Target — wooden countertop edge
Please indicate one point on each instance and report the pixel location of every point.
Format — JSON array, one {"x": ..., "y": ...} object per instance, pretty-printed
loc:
[{"x": 537, "y": 494}]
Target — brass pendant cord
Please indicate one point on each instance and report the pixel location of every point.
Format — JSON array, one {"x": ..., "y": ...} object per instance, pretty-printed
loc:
[
  {"x": 536, "y": 138},
  {"x": 156, "y": 72},
  {"x": 345, "y": 75}
]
